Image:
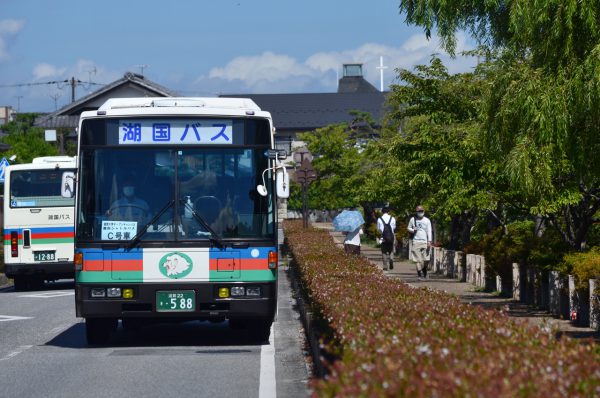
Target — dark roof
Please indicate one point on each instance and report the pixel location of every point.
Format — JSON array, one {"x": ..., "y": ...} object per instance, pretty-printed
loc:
[
  {"x": 130, "y": 85},
  {"x": 355, "y": 84},
  {"x": 304, "y": 112},
  {"x": 54, "y": 122}
]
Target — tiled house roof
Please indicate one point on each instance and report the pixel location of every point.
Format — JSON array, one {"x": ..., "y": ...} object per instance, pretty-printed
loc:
[{"x": 130, "y": 85}]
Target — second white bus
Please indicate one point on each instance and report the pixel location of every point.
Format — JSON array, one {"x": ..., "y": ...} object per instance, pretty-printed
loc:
[{"x": 38, "y": 222}]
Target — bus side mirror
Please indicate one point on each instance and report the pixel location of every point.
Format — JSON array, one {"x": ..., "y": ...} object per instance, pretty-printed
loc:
[
  {"x": 67, "y": 185},
  {"x": 283, "y": 183}
]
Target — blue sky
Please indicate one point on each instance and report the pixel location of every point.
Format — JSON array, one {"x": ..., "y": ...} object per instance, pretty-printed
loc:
[{"x": 202, "y": 47}]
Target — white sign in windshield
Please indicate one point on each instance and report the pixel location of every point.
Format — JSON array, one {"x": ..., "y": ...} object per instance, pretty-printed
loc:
[
  {"x": 180, "y": 132},
  {"x": 118, "y": 230}
]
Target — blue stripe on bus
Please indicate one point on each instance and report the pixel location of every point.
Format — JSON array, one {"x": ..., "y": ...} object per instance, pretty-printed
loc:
[
  {"x": 263, "y": 252},
  {"x": 98, "y": 254},
  {"x": 214, "y": 253}
]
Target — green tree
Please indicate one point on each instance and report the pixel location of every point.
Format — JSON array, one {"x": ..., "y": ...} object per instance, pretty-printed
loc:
[
  {"x": 340, "y": 163},
  {"x": 429, "y": 153},
  {"x": 541, "y": 108},
  {"x": 26, "y": 140}
]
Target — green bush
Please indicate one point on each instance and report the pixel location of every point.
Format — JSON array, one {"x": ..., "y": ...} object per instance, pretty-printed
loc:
[
  {"x": 389, "y": 339},
  {"x": 584, "y": 266},
  {"x": 503, "y": 248},
  {"x": 519, "y": 244}
]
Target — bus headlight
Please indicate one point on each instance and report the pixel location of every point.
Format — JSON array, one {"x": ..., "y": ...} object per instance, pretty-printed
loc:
[
  {"x": 98, "y": 292},
  {"x": 113, "y": 292},
  {"x": 253, "y": 291},
  {"x": 238, "y": 291},
  {"x": 128, "y": 293},
  {"x": 223, "y": 292}
]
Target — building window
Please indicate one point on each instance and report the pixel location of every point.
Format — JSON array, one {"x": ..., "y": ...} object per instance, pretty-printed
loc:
[{"x": 353, "y": 70}]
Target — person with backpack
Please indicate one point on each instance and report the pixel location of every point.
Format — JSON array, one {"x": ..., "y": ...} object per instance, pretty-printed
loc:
[
  {"x": 419, "y": 227},
  {"x": 386, "y": 225}
]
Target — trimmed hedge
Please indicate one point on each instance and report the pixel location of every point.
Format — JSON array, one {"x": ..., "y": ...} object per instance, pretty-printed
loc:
[{"x": 394, "y": 340}]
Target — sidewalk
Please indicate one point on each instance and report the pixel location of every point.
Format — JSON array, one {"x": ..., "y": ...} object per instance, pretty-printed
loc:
[{"x": 405, "y": 271}]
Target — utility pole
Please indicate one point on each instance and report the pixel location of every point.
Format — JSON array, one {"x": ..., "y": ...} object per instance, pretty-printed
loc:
[
  {"x": 72, "y": 89},
  {"x": 19, "y": 103}
]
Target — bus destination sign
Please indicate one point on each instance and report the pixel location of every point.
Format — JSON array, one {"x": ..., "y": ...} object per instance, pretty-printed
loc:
[{"x": 175, "y": 132}]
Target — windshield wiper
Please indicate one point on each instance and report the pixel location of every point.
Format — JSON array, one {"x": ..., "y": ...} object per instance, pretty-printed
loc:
[
  {"x": 139, "y": 235},
  {"x": 214, "y": 237}
]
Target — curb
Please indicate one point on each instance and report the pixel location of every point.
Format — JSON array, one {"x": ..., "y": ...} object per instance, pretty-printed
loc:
[{"x": 311, "y": 330}]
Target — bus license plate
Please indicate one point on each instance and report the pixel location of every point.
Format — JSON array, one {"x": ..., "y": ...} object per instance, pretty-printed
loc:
[
  {"x": 176, "y": 301},
  {"x": 48, "y": 255}
]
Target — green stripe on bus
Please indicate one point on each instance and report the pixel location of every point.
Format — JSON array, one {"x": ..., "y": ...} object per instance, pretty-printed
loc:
[
  {"x": 137, "y": 276},
  {"x": 245, "y": 276},
  {"x": 52, "y": 240},
  {"x": 109, "y": 277}
]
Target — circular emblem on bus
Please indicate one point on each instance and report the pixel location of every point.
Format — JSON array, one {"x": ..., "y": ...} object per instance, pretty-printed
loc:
[{"x": 175, "y": 265}]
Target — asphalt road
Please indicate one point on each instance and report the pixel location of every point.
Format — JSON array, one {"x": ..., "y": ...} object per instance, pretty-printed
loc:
[{"x": 43, "y": 353}]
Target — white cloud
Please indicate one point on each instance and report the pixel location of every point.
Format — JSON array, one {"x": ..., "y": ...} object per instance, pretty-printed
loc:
[
  {"x": 267, "y": 67},
  {"x": 44, "y": 71},
  {"x": 83, "y": 69},
  {"x": 11, "y": 26},
  {"x": 270, "y": 72},
  {"x": 8, "y": 28}
]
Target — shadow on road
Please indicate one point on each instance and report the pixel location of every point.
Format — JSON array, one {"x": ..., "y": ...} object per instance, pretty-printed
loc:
[
  {"x": 61, "y": 284},
  {"x": 192, "y": 333}
]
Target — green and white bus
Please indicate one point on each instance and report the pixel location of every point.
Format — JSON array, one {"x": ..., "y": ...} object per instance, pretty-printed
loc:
[
  {"x": 175, "y": 214},
  {"x": 38, "y": 222}
]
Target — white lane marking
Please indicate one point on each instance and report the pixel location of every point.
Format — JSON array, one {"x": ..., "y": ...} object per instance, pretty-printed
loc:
[
  {"x": 4, "y": 318},
  {"x": 267, "y": 383},
  {"x": 48, "y": 294},
  {"x": 16, "y": 352}
]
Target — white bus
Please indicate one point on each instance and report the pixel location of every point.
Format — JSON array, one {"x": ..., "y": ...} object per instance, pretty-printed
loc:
[
  {"x": 176, "y": 215},
  {"x": 38, "y": 222}
]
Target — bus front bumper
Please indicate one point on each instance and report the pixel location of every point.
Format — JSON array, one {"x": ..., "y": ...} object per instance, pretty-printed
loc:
[
  {"x": 58, "y": 270},
  {"x": 207, "y": 303}
]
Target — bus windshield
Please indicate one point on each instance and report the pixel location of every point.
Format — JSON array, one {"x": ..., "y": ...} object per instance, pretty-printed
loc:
[
  {"x": 37, "y": 188},
  {"x": 166, "y": 194}
]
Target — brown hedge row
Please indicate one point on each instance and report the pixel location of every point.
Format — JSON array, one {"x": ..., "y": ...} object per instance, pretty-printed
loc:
[{"x": 394, "y": 340}]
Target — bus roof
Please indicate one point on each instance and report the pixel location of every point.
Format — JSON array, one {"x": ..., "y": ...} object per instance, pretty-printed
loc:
[
  {"x": 53, "y": 159},
  {"x": 149, "y": 106}
]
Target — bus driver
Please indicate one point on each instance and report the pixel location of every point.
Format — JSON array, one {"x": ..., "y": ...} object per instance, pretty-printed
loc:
[{"x": 129, "y": 207}]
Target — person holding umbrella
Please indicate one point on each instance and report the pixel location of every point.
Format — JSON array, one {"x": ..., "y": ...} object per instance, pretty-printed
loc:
[
  {"x": 352, "y": 241},
  {"x": 351, "y": 222}
]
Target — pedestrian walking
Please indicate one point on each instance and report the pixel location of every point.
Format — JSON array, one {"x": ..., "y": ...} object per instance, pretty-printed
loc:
[
  {"x": 419, "y": 227},
  {"x": 386, "y": 225},
  {"x": 352, "y": 241}
]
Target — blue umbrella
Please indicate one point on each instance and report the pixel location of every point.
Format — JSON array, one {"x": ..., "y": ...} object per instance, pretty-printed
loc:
[{"x": 348, "y": 221}]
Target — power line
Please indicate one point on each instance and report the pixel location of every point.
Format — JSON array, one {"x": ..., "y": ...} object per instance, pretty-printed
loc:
[
  {"x": 59, "y": 83},
  {"x": 33, "y": 84}
]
